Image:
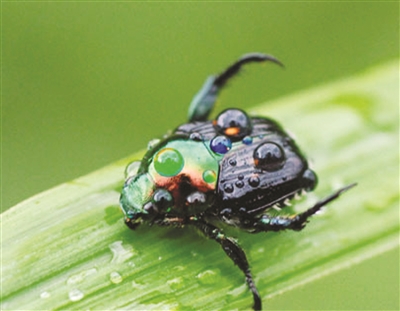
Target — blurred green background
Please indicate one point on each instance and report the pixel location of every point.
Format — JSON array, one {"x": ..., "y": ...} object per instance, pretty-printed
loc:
[{"x": 87, "y": 83}]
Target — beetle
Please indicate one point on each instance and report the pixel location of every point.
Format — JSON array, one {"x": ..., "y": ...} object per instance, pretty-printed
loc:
[{"x": 234, "y": 169}]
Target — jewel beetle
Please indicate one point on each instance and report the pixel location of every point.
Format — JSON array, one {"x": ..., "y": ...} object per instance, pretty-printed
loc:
[{"x": 232, "y": 169}]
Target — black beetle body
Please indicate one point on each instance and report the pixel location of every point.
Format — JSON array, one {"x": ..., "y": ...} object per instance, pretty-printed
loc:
[{"x": 231, "y": 169}]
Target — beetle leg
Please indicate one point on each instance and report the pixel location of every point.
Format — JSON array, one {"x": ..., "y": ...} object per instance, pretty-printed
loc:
[
  {"x": 170, "y": 221},
  {"x": 235, "y": 252},
  {"x": 294, "y": 222},
  {"x": 203, "y": 102}
]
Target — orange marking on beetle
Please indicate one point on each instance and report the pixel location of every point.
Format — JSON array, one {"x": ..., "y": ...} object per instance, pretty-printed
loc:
[{"x": 231, "y": 131}]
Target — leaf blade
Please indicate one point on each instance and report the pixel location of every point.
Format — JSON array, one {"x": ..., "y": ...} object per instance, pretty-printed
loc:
[{"x": 67, "y": 248}]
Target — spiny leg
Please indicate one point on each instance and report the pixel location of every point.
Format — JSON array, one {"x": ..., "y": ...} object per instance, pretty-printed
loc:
[
  {"x": 203, "y": 102},
  {"x": 295, "y": 222},
  {"x": 235, "y": 252}
]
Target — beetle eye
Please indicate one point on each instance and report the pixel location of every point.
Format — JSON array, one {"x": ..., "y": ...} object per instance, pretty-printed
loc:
[
  {"x": 233, "y": 123},
  {"x": 269, "y": 156},
  {"x": 162, "y": 199}
]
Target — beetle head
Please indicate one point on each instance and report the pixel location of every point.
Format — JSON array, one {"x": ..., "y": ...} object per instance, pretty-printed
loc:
[
  {"x": 136, "y": 191},
  {"x": 142, "y": 201}
]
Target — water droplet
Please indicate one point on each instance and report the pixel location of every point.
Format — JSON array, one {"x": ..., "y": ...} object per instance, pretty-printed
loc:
[
  {"x": 196, "y": 137},
  {"x": 207, "y": 277},
  {"x": 132, "y": 169},
  {"x": 152, "y": 143},
  {"x": 232, "y": 162},
  {"x": 269, "y": 156},
  {"x": 120, "y": 254},
  {"x": 45, "y": 295},
  {"x": 115, "y": 277},
  {"x": 175, "y": 283},
  {"x": 75, "y": 295},
  {"x": 247, "y": 140},
  {"x": 168, "y": 162},
  {"x": 239, "y": 183},
  {"x": 234, "y": 123},
  {"x": 228, "y": 188},
  {"x": 79, "y": 277},
  {"x": 209, "y": 176},
  {"x": 220, "y": 144},
  {"x": 254, "y": 181},
  {"x": 179, "y": 268},
  {"x": 137, "y": 285}
]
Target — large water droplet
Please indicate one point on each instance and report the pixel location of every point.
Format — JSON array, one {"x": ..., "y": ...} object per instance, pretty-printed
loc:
[
  {"x": 132, "y": 169},
  {"x": 175, "y": 283},
  {"x": 220, "y": 144},
  {"x": 234, "y": 123},
  {"x": 207, "y": 277},
  {"x": 115, "y": 277},
  {"x": 120, "y": 253},
  {"x": 44, "y": 295},
  {"x": 75, "y": 295},
  {"x": 168, "y": 162}
]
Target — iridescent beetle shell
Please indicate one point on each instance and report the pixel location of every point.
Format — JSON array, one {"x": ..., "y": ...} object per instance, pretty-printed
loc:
[{"x": 248, "y": 166}]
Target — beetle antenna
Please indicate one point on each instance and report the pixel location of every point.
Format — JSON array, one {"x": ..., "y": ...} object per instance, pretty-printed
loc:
[
  {"x": 232, "y": 70},
  {"x": 203, "y": 102}
]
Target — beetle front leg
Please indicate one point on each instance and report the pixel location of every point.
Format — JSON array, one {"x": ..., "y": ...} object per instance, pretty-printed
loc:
[
  {"x": 294, "y": 222},
  {"x": 170, "y": 221},
  {"x": 235, "y": 252},
  {"x": 203, "y": 102},
  {"x": 166, "y": 221}
]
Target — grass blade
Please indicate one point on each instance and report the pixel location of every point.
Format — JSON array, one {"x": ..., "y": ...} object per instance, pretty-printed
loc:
[{"x": 67, "y": 248}]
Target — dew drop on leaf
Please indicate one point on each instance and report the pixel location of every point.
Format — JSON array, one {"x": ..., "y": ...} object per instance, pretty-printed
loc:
[
  {"x": 120, "y": 253},
  {"x": 175, "y": 283},
  {"x": 207, "y": 277},
  {"x": 75, "y": 295},
  {"x": 44, "y": 295},
  {"x": 115, "y": 277}
]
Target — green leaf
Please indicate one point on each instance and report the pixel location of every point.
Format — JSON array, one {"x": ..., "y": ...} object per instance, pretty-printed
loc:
[{"x": 67, "y": 248}]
